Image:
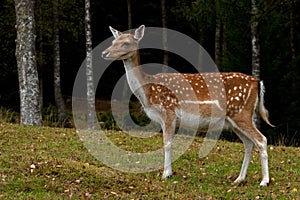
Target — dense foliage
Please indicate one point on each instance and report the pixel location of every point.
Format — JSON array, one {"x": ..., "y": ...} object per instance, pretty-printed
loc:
[{"x": 279, "y": 41}]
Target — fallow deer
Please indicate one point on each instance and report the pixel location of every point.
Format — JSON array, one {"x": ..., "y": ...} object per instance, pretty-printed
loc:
[{"x": 165, "y": 97}]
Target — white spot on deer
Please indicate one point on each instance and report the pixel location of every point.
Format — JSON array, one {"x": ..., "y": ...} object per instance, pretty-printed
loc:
[
  {"x": 237, "y": 98},
  {"x": 235, "y": 88}
]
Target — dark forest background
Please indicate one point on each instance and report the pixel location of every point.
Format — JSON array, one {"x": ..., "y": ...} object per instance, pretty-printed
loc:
[{"x": 279, "y": 39}]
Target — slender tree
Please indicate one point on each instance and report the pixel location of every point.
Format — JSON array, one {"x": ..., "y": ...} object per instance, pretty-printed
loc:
[
  {"x": 89, "y": 69},
  {"x": 129, "y": 14},
  {"x": 292, "y": 42},
  {"x": 40, "y": 48},
  {"x": 30, "y": 110},
  {"x": 56, "y": 52},
  {"x": 218, "y": 43},
  {"x": 129, "y": 23},
  {"x": 255, "y": 50},
  {"x": 165, "y": 36},
  {"x": 255, "y": 40}
]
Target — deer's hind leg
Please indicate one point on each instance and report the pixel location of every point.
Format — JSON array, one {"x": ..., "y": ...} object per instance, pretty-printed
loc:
[
  {"x": 250, "y": 135},
  {"x": 248, "y": 145}
]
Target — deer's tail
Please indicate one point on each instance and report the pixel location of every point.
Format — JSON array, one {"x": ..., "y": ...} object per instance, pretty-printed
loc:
[{"x": 261, "y": 107}]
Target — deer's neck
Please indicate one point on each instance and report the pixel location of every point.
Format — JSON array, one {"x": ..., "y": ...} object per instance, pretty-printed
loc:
[{"x": 136, "y": 77}]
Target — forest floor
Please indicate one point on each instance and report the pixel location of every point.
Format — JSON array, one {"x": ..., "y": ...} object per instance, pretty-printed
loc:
[{"x": 53, "y": 163}]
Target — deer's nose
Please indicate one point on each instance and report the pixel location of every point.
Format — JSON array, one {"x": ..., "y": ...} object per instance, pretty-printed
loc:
[{"x": 105, "y": 54}]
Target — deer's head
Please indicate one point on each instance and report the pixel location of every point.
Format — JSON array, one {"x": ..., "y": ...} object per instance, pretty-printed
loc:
[{"x": 124, "y": 46}]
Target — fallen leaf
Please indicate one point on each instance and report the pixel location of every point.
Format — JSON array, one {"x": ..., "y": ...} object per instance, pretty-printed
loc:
[
  {"x": 273, "y": 179},
  {"x": 32, "y": 166},
  {"x": 86, "y": 165},
  {"x": 294, "y": 190},
  {"x": 78, "y": 181},
  {"x": 114, "y": 193}
]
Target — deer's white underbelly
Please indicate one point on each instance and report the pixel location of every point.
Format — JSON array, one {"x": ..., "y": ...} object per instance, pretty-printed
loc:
[
  {"x": 186, "y": 120},
  {"x": 193, "y": 121}
]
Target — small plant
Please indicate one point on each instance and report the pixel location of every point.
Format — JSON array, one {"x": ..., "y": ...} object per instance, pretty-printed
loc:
[
  {"x": 141, "y": 119},
  {"x": 51, "y": 118},
  {"x": 9, "y": 116},
  {"x": 107, "y": 121}
]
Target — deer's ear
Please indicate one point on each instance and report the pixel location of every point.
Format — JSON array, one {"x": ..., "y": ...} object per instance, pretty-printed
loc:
[
  {"x": 115, "y": 32},
  {"x": 139, "y": 33}
]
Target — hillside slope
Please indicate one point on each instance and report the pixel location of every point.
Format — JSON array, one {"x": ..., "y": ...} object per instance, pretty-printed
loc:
[{"x": 52, "y": 163}]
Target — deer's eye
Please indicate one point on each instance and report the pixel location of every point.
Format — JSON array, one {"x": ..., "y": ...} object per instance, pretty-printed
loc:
[{"x": 125, "y": 44}]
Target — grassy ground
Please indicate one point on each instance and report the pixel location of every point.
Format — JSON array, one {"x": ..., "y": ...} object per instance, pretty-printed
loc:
[{"x": 52, "y": 163}]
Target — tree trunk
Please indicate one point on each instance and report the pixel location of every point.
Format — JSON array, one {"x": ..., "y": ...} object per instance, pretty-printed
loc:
[
  {"x": 40, "y": 60},
  {"x": 218, "y": 43},
  {"x": 126, "y": 87},
  {"x": 255, "y": 51},
  {"x": 30, "y": 110},
  {"x": 200, "y": 66},
  {"x": 165, "y": 36},
  {"x": 129, "y": 14},
  {"x": 91, "y": 118},
  {"x": 56, "y": 52},
  {"x": 292, "y": 43},
  {"x": 255, "y": 41}
]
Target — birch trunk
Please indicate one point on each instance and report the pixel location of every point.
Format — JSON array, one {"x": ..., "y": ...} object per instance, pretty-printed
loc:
[
  {"x": 129, "y": 14},
  {"x": 30, "y": 109},
  {"x": 56, "y": 52},
  {"x": 129, "y": 18},
  {"x": 218, "y": 43},
  {"x": 165, "y": 36},
  {"x": 292, "y": 42},
  {"x": 255, "y": 52},
  {"x": 91, "y": 118},
  {"x": 255, "y": 41}
]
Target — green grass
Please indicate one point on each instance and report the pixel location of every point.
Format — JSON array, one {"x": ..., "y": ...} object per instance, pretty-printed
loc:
[{"x": 52, "y": 163}]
